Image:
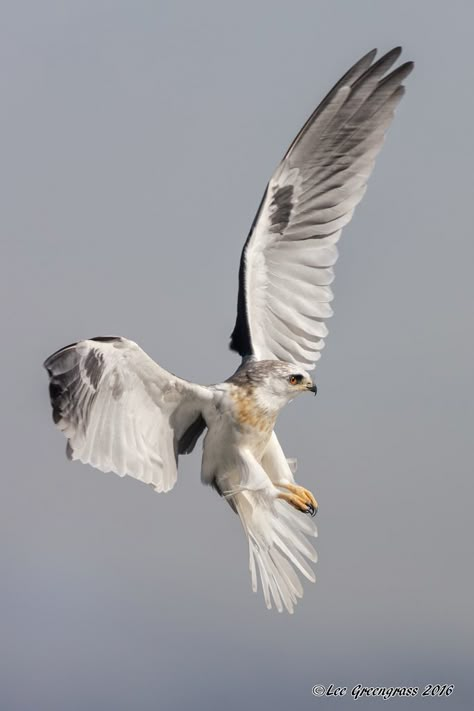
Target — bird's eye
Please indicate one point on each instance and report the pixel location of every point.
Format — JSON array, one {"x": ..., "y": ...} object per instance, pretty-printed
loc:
[{"x": 294, "y": 379}]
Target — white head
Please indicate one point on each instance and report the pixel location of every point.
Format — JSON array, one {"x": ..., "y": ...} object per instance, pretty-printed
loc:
[{"x": 274, "y": 382}]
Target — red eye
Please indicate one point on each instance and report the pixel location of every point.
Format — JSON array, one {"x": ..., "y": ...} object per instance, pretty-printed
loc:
[{"x": 293, "y": 380}]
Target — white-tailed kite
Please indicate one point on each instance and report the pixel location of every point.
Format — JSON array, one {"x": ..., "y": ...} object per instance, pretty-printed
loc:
[{"x": 122, "y": 412}]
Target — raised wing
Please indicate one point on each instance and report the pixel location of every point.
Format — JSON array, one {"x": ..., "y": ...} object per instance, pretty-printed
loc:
[
  {"x": 121, "y": 412},
  {"x": 286, "y": 266}
]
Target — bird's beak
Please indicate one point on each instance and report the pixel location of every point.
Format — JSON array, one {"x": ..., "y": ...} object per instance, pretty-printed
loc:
[{"x": 312, "y": 388}]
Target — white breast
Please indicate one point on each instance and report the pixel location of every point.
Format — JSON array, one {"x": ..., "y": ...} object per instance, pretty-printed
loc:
[{"x": 235, "y": 422}]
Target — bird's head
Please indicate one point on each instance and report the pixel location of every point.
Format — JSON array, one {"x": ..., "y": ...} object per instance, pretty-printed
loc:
[
  {"x": 287, "y": 380},
  {"x": 277, "y": 382}
]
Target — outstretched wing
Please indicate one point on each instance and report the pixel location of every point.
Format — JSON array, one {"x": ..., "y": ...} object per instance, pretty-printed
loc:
[
  {"x": 286, "y": 266},
  {"x": 121, "y": 412}
]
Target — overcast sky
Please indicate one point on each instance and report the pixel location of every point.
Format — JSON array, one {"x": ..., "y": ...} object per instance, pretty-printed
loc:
[{"x": 136, "y": 142}]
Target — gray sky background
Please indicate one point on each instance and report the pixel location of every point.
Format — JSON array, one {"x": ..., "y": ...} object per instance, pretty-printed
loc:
[{"x": 136, "y": 142}]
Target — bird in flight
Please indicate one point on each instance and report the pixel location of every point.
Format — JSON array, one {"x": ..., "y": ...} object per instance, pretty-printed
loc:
[{"x": 122, "y": 412}]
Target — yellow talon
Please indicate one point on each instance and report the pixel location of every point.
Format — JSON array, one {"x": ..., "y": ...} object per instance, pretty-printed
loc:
[{"x": 300, "y": 498}]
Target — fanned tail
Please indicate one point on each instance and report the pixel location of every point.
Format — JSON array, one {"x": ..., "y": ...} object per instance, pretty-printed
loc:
[{"x": 278, "y": 545}]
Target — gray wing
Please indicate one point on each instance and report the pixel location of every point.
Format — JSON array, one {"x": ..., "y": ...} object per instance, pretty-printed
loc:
[
  {"x": 122, "y": 412},
  {"x": 287, "y": 262}
]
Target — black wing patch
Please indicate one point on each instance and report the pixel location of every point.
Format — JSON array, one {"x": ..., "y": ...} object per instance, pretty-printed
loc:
[
  {"x": 66, "y": 387},
  {"x": 188, "y": 439},
  {"x": 94, "y": 367},
  {"x": 281, "y": 207},
  {"x": 240, "y": 340},
  {"x": 72, "y": 392}
]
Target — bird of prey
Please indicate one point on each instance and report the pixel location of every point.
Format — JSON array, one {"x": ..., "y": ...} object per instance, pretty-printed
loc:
[{"x": 122, "y": 412}]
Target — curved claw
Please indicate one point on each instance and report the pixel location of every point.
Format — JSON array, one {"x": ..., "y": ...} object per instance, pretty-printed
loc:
[{"x": 300, "y": 498}]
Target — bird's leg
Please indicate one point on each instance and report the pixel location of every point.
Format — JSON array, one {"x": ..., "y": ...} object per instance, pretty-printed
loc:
[{"x": 299, "y": 497}]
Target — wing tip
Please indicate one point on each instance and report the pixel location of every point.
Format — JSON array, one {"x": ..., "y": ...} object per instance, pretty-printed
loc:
[
  {"x": 408, "y": 67},
  {"x": 99, "y": 339},
  {"x": 391, "y": 56},
  {"x": 367, "y": 60},
  {"x": 50, "y": 359},
  {"x": 395, "y": 51}
]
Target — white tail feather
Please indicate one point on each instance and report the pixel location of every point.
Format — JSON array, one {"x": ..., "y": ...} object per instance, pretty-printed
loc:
[{"x": 274, "y": 531}]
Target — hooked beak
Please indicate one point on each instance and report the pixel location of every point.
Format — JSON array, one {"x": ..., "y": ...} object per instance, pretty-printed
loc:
[{"x": 312, "y": 388}]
